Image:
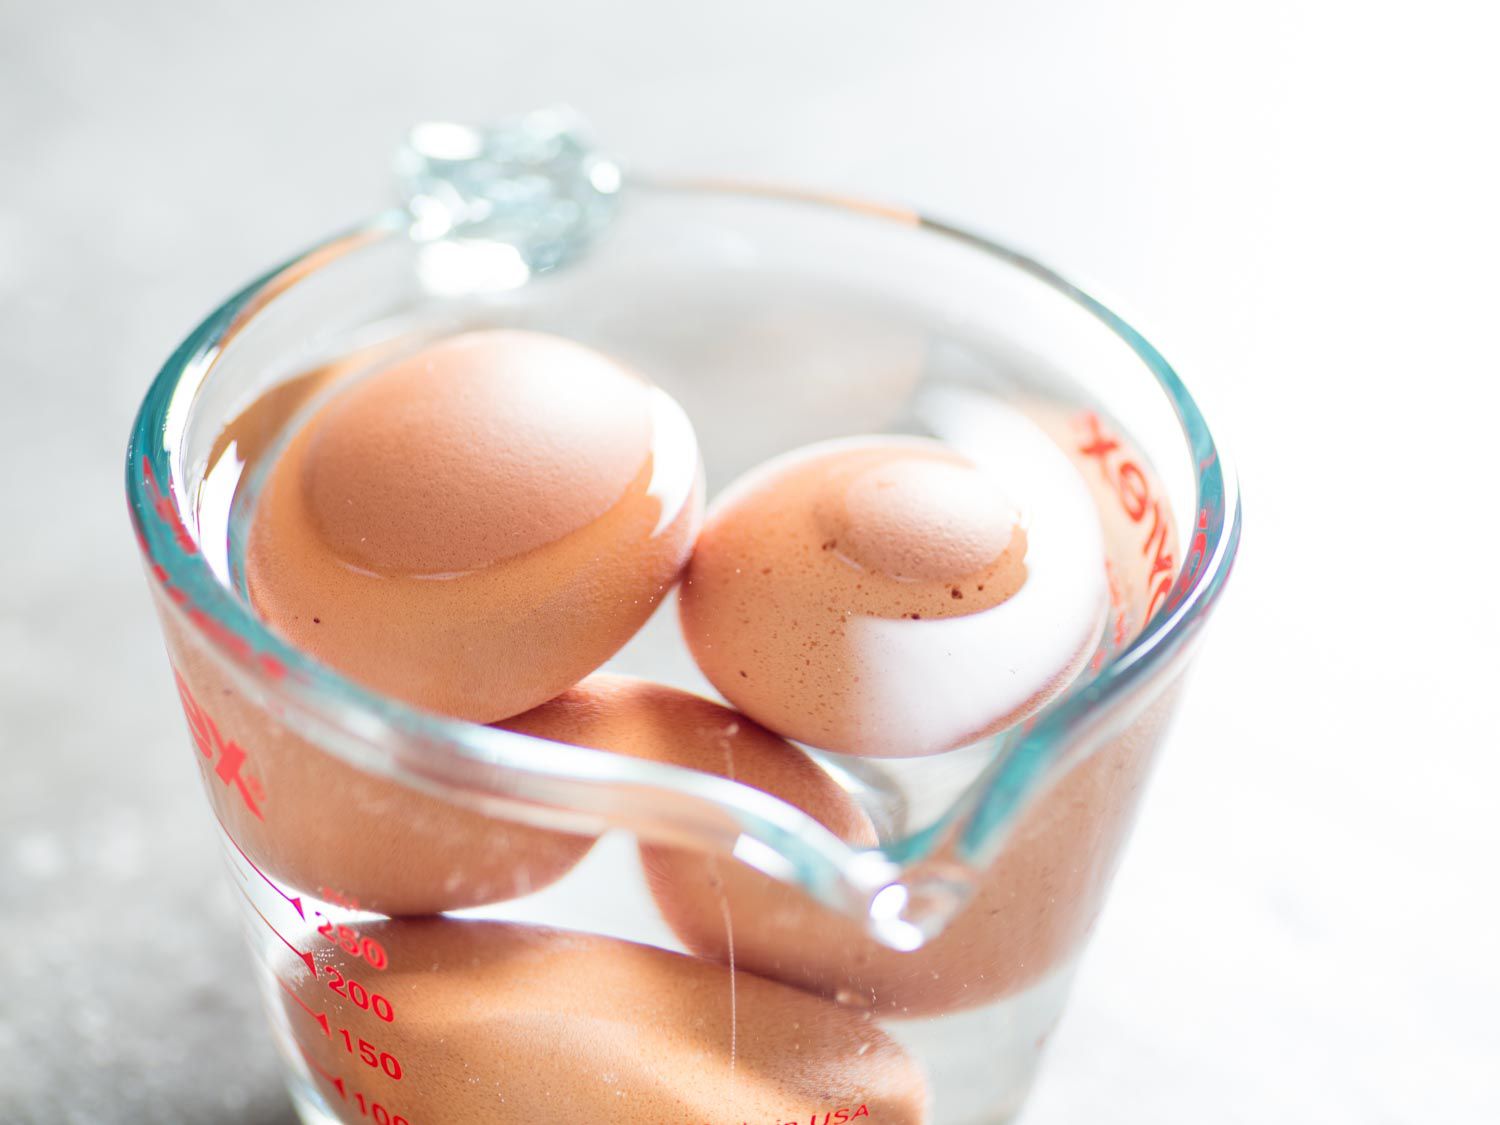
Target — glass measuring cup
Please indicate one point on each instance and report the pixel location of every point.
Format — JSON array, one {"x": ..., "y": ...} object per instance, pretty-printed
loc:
[{"x": 454, "y": 922}]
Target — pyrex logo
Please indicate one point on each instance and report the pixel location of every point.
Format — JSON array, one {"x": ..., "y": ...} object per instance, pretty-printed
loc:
[
  {"x": 1133, "y": 490},
  {"x": 226, "y": 754}
]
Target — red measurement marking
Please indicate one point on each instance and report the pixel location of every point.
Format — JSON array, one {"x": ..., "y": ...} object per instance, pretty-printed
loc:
[
  {"x": 211, "y": 744},
  {"x": 319, "y": 1016},
  {"x": 307, "y": 958},
  {"x": 380, "y": 1060},
  {"x": 350, "y": 941},
  {"x": 358, "y": 995},
  {"x": 368, "y": 1107},
  {"x": 295, "y": 900},
  {"x": 381, "y": 1115}
]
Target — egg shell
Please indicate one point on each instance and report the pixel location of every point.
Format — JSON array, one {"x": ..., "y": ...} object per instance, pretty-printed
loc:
[
  {"x": 478, "y": 525},
  {"x": 322, "y": 827},
  {"x": 496, "y": 1021},
  {"x": 648, "y": 720},
  {"x": 861, "y": 596},
  {"x": 1033, "y": 906}
]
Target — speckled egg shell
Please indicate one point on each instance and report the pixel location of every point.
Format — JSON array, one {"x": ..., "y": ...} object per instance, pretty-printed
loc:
[
  {"x": 323, "y": 827},
  {"x": 478, "y": 525},
  {"x": 495, "y": 1021},
  {"x": 647, "y": 720},
  {"x": 1030, "y": 912},
  {"x": 888, "y": 596},
  {"x": 1032, "y": 908}
]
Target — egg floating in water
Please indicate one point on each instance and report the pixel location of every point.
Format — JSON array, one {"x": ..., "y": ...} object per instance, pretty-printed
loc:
[
  {"x": 495, "y": 1021},
  {"x": 471, "y": 528},
  {"x": 477, "y": 526},
  {"x": 897, "y": 597}
]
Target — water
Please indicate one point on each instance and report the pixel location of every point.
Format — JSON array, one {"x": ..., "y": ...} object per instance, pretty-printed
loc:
[
  {"x": 960, "y": 1025},
  {"x": 979, "y": 1063}
]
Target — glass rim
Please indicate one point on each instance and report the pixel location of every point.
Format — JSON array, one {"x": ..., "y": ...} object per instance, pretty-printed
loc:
[{"x": 470, "y": 762}]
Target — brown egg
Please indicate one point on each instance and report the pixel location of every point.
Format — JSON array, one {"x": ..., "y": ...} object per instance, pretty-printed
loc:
[
  {"x": 1033, "y": 907},
  {"x": 886, "y": 597},
  {"x": 322, "y": 827},
  {"x": 493, "y": 1021},
  {"x": 659, "y": 723},
  {"x": 475, "y": 527}
]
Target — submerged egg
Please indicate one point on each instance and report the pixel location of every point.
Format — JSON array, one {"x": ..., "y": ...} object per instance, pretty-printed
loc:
[
  {"x": 322, "y": 826},
  {"x": 893, "y": 597},
  {"x": 647, "y": 720},
  {"x": 478, "y": 525},
  {"x": 494, "y": 1021},
  {"x": 1030, "y": 911},
  {"x": 1031, "y": 908}
]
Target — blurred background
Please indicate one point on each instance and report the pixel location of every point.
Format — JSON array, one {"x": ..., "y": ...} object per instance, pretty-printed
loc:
[{"x": 1296, "y": 199}]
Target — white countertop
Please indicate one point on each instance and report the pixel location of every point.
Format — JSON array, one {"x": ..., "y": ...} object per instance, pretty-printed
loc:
[{"x": 1293, "y": 198}]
